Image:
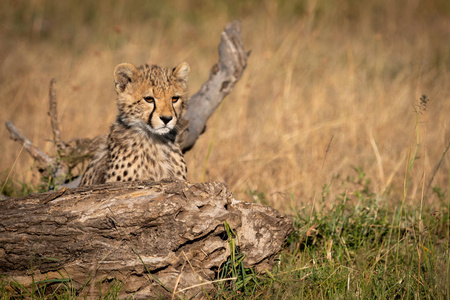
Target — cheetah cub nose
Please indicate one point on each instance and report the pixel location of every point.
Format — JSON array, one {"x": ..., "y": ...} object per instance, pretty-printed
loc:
[{"x": 166, "y": 119}]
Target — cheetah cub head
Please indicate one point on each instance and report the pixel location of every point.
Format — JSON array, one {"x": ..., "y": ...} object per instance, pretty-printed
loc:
[{"x": 150, "y": 98}]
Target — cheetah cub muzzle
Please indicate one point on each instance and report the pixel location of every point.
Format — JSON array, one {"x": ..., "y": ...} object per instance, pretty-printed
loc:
[{"x": 142, "y": 143}]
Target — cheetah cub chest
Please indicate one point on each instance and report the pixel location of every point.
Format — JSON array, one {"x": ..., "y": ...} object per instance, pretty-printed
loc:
[{"x": 142, "y": 143}]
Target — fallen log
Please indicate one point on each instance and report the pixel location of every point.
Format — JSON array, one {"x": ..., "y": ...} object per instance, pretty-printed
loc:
[{"x": 157, "y": 239}]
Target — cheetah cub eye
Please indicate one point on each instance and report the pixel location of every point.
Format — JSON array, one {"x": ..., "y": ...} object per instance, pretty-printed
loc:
[{"x": 149, "y": 99}]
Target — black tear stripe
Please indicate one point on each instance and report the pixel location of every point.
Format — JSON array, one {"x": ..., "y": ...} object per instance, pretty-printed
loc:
[
  {"x": 151, "y": 114},
  {"x": 175, "y": 111}
]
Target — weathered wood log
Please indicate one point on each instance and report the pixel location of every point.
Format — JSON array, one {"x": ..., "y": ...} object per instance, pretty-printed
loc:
[
  {"x": 224, "y": 75},
  {"x": 157, "y": 239}
]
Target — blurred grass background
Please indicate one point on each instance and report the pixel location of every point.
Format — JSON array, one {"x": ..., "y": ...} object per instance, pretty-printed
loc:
[{"x": 330, "y": 85}]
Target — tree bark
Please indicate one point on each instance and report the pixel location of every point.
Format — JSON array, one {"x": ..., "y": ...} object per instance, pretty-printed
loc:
[{"x": 157, "y": 239}]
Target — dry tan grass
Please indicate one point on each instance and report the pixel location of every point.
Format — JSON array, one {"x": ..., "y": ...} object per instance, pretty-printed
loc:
[{"x": 319, "y": 70}]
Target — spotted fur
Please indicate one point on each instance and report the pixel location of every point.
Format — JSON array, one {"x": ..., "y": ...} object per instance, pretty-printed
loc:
[{"x": 142, "y": 144}]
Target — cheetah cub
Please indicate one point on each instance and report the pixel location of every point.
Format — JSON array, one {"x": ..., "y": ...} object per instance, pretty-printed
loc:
[{"x": 141, "y": 144}]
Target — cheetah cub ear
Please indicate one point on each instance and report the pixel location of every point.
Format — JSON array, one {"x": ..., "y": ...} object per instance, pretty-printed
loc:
[
  {"x": 124, "y": 74},
  {"x": 181, "y": 72}
]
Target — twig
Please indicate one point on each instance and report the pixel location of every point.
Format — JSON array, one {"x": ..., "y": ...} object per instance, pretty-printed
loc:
[
  {"x": 178, "y": 280},
  {"x": 205, "y": 283}
]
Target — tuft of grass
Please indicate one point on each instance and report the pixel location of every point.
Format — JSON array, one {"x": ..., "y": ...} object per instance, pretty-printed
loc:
[
  {"x": 45, "y": 289},
  {"x": 241, "y": 282},
  {"x": 11, "y": 187}
]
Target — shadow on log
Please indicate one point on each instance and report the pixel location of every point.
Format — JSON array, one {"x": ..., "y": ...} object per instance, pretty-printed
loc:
[{"x": 157, "y": 239}]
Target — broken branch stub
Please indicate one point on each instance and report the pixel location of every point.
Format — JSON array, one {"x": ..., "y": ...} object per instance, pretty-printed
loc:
[
  {"x": 124, "y": 231},
  {"x": 53, "y": 113},
  {"x": 224, "y": 75}
]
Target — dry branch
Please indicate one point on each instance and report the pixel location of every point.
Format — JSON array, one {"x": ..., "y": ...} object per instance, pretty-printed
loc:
[
  {"x": 34, "y": 152},
  {"x": 122, "y": 231},
  {"x": 46, "y": 164},
  {"x": 224, "y": 75}
]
